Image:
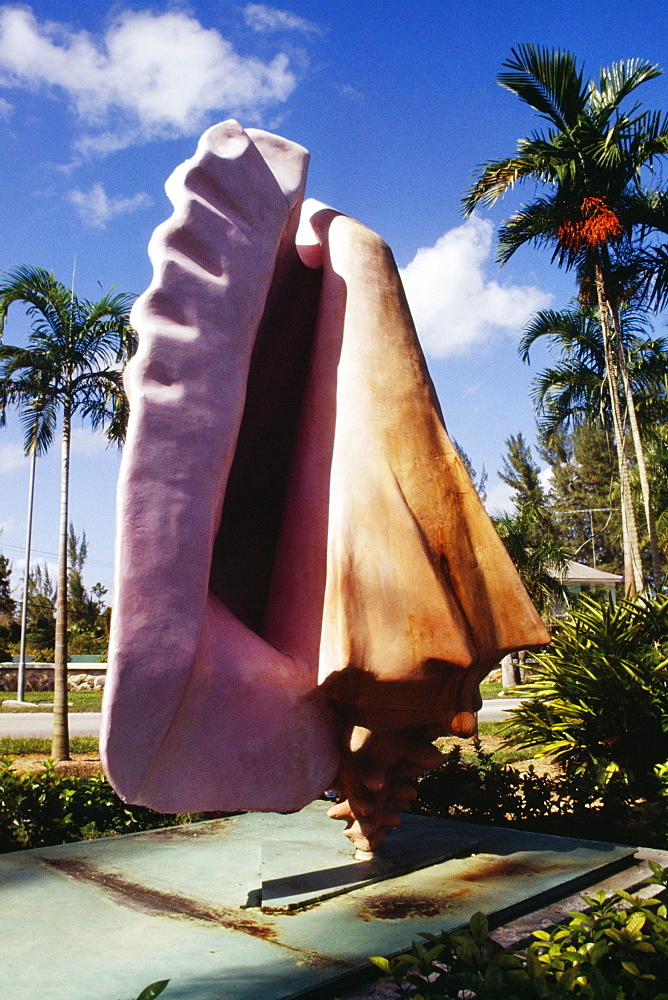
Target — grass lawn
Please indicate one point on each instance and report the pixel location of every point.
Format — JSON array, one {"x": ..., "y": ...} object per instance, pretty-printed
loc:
[
  {"x": 81, "y": 701},
  {"x": 11, "y": 746},
  {"x": 91, "y": 701},
  {"x": 492, "y": 690}
]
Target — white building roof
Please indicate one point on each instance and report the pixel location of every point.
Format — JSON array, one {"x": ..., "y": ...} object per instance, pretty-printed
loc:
[{"x": 577, "y": 573}]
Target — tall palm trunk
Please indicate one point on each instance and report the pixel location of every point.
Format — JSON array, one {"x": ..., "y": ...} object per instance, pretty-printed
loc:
[
  {"x": 60, "y": 747},
  {"x": 657, "y": 570},
  {"x": 633, "y": 577}
]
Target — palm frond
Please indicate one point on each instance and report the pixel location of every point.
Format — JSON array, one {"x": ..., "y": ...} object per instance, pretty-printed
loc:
[
  {"x": 619, "y": 80},
  {"x": 570, "y": 330},
  {"x": 534, "y": 224},
  {"x": 548, "y": 81},
  {"x": 39, "y": 291},
  {"x": 494, "y": 179},
  {"x": 39, "y": 425},
  {"x": 655, "y": 261},
  {"x": 74, "y": 351}
]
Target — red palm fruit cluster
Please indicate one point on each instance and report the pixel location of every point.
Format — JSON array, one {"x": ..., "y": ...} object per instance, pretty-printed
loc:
[{"x": 596, "y": 223}]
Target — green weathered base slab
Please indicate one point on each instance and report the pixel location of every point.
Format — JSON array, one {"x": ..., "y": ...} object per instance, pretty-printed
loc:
[
  {"x": 101, "y": 919},
  {"x": 308, "y": 861}
]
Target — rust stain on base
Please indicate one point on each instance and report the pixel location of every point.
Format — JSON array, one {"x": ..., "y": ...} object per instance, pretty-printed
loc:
[
  {"x": 166, "y": 904},
  {"x": 399, "y": 908},
  {"x": 155, "y": 901},
  {"x": 406, "y": 905},
  {"x": 444, "y": 891},
  {"x": 484, "y": 868}
]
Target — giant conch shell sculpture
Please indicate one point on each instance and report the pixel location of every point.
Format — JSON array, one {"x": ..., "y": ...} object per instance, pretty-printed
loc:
[{"x": 308, "y": 587}]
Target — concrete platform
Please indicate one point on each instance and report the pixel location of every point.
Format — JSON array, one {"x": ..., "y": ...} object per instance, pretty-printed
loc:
[{"x": 261, "y": 905}]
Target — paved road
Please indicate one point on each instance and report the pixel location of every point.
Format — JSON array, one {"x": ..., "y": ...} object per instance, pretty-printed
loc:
[
  {"x": 494, "y": 710},
  {"x": 20, "y": 724},
  {"x": 88, "y": 723}
]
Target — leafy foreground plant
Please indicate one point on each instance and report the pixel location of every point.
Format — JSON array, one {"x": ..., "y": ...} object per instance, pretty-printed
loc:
[
  {"x": 617, "y": 950},
  {"x": 598, "y": 700},
  {"x": 42, "y": 808},
  {"x": 153, "y": 990}
]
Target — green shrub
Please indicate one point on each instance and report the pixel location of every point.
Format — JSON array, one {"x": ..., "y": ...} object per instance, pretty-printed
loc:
[
  {"x": 617, "y": 950},
  {"x": 482, "y": 790},
  {"x": 42, "y": 808},
  {"x": 598, "y": 699}
]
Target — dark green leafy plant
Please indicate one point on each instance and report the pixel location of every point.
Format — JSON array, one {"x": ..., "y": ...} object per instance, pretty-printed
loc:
[
  {"x": 619, "y": 948},
  {"x": 598, "y": 700},
  {"x": 464, "y": 963},
  {"x": 482, "y": 790},
  {"x": 43, "y": 808},
  {"x": 616, "y": 950}
]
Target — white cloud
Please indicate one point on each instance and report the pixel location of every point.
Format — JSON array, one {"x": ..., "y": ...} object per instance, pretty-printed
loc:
[
  {"x": 5, "y": 109},
  {"x": 259, "y": 17},
  {"x": 454, "y": 303},
  {"x": 12, "y": 457},
  {"x": 352, "y": 93},
  {"x": 546, "y": 477},
  {"x": 18, "y": 567},
  {"x": 152, "y": 75},
  {"x": 499, "y": 499},
  {"x": 96, "y": 208}
]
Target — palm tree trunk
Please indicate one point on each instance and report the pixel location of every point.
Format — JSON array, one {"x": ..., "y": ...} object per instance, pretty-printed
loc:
[
  {"x": 633, "y": 577},
  {"x": 657, "y": 570},
  {"x": 60, "y": 747}
]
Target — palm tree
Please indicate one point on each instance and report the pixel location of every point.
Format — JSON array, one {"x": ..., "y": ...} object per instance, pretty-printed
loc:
[
  {"x": 588, "y": 163},
  {"x": 657, "y": 453},
  {"x": 576, "y": 390},
  {"x": 72, "y": 363}
]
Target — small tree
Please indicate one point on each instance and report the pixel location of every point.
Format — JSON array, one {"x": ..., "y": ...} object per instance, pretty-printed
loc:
[
  {"x": 7, "y": 607},
  {"x": 479, "y": 481},
  {"x": 86, "y": 623},
  {"x": 520, "y": 472},
  {"x": 529, "y": 533},
  {"x": 598, "y": 700},
  {"x": 7, "y": 602},
  {"x": 536, "y": 549},
  {"x": 41, "y": 635}
]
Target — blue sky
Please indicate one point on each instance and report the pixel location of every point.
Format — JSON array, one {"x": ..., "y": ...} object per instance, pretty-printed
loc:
[{"x": 396, "y": 101}]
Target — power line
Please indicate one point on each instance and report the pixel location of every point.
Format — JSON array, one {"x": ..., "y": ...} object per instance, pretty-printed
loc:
[
  {"x": 585, "y": 510},
  {"x": 591, "y": 511},
  {"x": 54, "y": 555}
]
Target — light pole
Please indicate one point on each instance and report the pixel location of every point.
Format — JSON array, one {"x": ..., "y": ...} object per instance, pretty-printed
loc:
[{"x": 21, "y": 681}]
